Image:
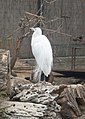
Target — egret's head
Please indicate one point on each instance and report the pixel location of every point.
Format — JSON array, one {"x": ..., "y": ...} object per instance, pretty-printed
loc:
[{"x": 37, "y": 30}]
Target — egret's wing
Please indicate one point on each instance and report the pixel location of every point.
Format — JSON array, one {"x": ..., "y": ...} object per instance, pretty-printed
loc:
[{"x": 42, "y": 52}]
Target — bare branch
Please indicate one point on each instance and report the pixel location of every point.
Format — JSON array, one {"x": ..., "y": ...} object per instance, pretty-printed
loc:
[
  {"x": 34, "y": 15},
  {"x": 52, "y": 1}
]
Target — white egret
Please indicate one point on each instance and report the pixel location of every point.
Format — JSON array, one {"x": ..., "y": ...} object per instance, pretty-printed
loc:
[{"x": 42, "y": 51}]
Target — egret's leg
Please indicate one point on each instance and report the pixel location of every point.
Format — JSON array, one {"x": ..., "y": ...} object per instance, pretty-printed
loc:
[
  {"x": 44, "y": 78},
  {"x": 39, "y": 75},
  {"x": 44, "y": 81}
]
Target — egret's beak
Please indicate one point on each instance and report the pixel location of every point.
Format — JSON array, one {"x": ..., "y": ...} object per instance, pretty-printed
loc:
[{"x": 32, "y": 29}]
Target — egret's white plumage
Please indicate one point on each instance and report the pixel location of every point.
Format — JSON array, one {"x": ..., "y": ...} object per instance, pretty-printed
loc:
[{"x": 42, "y": 51}]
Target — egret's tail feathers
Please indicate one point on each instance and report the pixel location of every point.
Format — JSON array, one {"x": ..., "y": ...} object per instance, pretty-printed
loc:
[
  {"x": 47, "y": 70},
  {"x": 37, "y": 74}
]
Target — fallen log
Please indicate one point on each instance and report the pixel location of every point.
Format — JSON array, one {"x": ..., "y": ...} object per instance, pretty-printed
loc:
[
  {"x": 70, "y": 100},
  {"x": 23, "y": 109},
  {"x": 65, "y": 99}
]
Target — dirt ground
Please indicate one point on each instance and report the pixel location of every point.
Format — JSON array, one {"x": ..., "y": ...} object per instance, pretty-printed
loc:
[{"x": 24, "y": 68}]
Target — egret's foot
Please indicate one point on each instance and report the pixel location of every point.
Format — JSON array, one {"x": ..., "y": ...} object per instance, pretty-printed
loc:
[{"x": 44, "y": 82}]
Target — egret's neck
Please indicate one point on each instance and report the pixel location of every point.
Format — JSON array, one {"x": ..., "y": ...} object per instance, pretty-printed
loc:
[{"x": 36, "y": 34}]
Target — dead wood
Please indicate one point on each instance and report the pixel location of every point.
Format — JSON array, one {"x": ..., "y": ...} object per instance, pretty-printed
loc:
[
  {"x": 23, "y": 109},
  {"x": 66, "y": 99},
  {"x": 19, "y": 40},
  {"x": 39, "y": 97},
  {"x": 33, "y": 15},
  {"x": 72, "y": 97},
  {"x": 5, "y": 70},
  {"x": 35, "y": 93},
  {"x": 18, "y": 46}
]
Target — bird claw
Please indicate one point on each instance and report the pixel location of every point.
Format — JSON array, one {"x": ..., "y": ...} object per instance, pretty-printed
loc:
[{"x": 44, "y": 82}]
